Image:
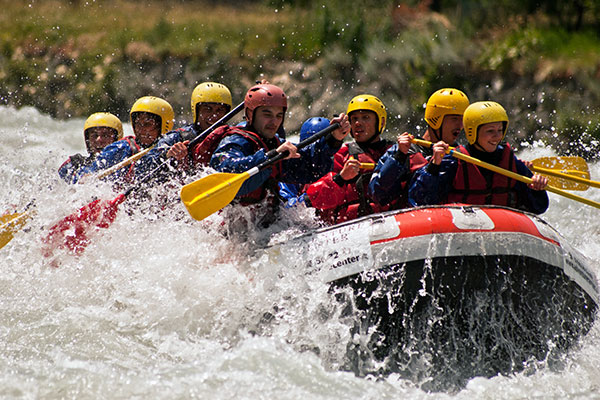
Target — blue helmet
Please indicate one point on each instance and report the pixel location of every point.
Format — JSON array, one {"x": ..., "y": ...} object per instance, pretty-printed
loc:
[{"x": 312, "y": 126}]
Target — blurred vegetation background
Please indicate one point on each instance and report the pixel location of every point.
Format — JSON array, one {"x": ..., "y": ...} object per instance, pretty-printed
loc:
[{"x": 539, "y": 59}]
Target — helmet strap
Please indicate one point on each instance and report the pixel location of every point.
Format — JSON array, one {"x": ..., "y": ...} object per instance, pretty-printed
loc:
[{"x": 437, "y": 134}]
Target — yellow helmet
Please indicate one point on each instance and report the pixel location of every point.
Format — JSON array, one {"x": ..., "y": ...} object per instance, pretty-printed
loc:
[
  {"x": 444, "y": 102},
  {"x": 104, "y": 119},
  {"x": 369, "y": 103},
  {"x": 156, "y": 106},
  {"x": 483, "y": 112},
  {"x": 210, "y": 92}
]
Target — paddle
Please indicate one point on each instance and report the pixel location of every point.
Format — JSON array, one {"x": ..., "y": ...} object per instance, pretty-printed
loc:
[
  {"x": 367, "y": 166},
  {"x": 10, "y": 224},
  {"x": 508, "y": 173},
  {"x": 570, "y": 173},
  {"x": 72, "y": 231},
  {"x": 213, "y": 192},
  {"x": 124, "y": 163}
]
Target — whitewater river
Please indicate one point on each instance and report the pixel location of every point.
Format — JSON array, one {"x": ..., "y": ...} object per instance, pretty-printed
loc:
[{"x": 161, "y": 306}]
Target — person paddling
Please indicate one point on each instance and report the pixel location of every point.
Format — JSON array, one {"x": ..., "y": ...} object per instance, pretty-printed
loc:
[
  {"x": 447, "y": 179},
  {"x": 151, "y": 117},
  {"x": 293, "y": 193},
  {"x": 341, "y": 194},
  {"x": 210, "y": 101},
  {"x": 100, "y": 130},
  {"x": 444, "y": 117},
  {"x": 243, "y": 148}
]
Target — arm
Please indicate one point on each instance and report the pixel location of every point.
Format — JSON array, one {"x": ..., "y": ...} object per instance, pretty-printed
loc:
[
  {"x": 159, "y": 153},
  {"x": 68, "y": 169},
  {"x": 390, "y": 173},
  {"x": 235, "y": 154},
  {"x": 432, "y": 183},
  {"x": 530, "y": 199},
  {"x": 111, "y": 155},
  {"x": 314, "y": 162}
]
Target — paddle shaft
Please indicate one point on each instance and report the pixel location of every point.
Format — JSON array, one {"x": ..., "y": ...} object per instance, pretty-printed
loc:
[
  {"x": 213, "y": 192},
  {"x": 563, "y": 174},
  {"x": 280, "y": 156},
  {"x": 508, "y": 173},
  {"x": 275, "y": 157},
  {"x": 214, "y": 126},
  {"x": 194, "y": 142},
  {"x": 124, "y": 163}
]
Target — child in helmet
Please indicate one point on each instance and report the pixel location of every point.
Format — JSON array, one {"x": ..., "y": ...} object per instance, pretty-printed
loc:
[
  {"x": 210, "y": 102},
  {"x": 444, "y": 117},
  {"x": 99, "y": 130},
  {"x": 151, "y": 117},
  {"x": 292, "y": 193},
  {"x": 243, "y": 148},
  {"x": 341, "y": 194},
  {"x": 447, "y": 179}
]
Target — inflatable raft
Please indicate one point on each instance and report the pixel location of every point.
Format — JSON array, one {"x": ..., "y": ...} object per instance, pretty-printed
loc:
[{"x": 450, "y": 292}]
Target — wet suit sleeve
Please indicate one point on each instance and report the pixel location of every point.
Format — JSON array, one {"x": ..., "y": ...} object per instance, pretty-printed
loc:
[
  {"x": 431, "y": 184},
  {"x": 535, "y": 201},
  {"x": 235, "y": 154},
  {"x": 70, "y": 167},
  {"x": 112, "y": 154},
  {"x": 315, "y": 161},
  {"x": 392, "y": 170},
  {"x": 158, "y": 154}
]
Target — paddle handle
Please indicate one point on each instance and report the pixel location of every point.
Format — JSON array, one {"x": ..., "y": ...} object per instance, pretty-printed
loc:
[
  {"x": 510, "y": 174},
  {"x": 280, "y": 156}
]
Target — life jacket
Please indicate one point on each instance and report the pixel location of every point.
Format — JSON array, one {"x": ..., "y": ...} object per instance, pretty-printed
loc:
[
  {"x": 471, "y": 187},
  {"x": 205, "y": 149},
  {"x": 362, "y": 205}
]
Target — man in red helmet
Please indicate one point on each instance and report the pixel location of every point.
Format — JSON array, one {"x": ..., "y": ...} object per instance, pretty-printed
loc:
[{"x": 247, "y": 147}]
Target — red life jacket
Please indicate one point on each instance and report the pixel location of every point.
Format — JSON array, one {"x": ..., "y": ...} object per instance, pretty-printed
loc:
[
  {"x": 471, "y": 187},
  {"x": 202, "y": 153},
  {"x": 204, "y": 150},
  {"x": 357, "y": 202}
]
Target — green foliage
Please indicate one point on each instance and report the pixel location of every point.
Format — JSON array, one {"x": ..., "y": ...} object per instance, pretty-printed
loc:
[
  {"x": 527, "y": 50},
  {"x": 77, "y": 58}
]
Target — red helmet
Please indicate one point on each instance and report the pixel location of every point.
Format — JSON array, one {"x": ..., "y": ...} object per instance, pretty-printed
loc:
[{"x": 263, "y": 94}]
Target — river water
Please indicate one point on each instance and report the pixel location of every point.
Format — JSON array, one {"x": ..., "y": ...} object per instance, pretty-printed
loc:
[{"x": 161, "y": 306}]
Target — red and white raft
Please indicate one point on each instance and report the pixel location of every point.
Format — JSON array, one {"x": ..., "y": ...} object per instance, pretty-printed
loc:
[{"x": 491, "y": 285}]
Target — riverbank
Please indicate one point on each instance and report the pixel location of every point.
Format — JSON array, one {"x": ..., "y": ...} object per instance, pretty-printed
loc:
[{"x": 73, "y": 58}]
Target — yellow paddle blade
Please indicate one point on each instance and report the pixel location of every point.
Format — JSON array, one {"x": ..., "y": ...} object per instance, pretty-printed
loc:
[
  {"x": 568, "y": 173},
  {"x": 211, "y": 193},
  {"x": 522, "y": 178},
  {"x": 10, "y": 224},
  {"x": 566, "y": 163}
]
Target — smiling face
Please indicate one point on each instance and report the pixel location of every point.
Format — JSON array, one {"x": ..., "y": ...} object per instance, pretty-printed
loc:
[
  {"x": 489, "y": 136},
  {"x": 146, "y": 128},
  {"x": 451, "y": 127},
  {"x": 267, "y": 120},
  {"x": 363, "y": 124},
  {"x": 209, "y": 113},
  {"x": 98, "y": 137}
]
